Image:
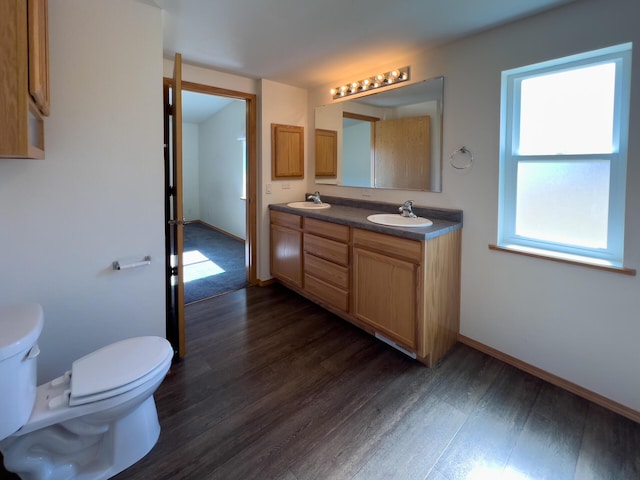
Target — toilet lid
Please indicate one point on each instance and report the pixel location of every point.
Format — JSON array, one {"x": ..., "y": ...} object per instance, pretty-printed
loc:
[{"x": 116, "y": 368}]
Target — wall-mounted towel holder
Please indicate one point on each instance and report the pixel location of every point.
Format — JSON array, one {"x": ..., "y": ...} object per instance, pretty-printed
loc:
[
  {"x": 118, "y": 266},
  {"x": 461, "y": 159}
]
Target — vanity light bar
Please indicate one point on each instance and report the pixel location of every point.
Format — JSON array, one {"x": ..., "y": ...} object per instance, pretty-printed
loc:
[{"x": 377, "y": 81}]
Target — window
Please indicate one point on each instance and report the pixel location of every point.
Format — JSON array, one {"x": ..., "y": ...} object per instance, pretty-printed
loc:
[{"x": 564, "y": 126}]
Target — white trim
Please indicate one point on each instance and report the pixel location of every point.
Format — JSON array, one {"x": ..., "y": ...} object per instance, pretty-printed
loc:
[{"x": 617, "y": 158}]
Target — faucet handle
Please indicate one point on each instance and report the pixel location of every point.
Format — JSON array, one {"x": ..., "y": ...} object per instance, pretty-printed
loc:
[
  {"x": 315, "y": 197},
  {"x": 406, "y": 209}
]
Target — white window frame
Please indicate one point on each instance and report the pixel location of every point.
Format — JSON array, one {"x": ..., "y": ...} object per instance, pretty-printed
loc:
[{"x": 612, "y": 255}]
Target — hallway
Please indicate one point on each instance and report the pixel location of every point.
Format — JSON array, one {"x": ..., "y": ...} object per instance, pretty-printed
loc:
[{"x": 214, "y": 262}]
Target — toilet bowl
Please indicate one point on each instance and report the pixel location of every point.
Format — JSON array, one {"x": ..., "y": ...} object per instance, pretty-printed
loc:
[{"x": 92, "y": 422}]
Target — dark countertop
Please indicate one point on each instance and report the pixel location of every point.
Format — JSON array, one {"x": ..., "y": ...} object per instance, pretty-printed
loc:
[{"x": 354, "y": 213}]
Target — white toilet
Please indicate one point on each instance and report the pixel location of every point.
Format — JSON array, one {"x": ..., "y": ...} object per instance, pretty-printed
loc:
[{"x": 93, "y": 422}]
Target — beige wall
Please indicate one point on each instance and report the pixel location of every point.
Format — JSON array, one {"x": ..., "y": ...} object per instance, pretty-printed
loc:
[
  {"x": 578, "y": 323},
  {"x": 98, "y": 196},
  {"x": 282, "y": 104}
]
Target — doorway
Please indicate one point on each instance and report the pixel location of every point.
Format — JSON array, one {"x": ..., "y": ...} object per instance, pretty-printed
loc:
[
  {"x": 214, "y": 194},
  {"x": 211, "y": 194}
]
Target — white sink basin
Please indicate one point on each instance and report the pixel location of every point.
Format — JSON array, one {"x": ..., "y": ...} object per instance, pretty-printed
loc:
[
  {"x": 396, "y": 220},
  {"x": 308, "y": 205}
]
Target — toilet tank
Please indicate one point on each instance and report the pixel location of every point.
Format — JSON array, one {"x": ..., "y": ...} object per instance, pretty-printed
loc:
[{"x": 20, "y": 327}]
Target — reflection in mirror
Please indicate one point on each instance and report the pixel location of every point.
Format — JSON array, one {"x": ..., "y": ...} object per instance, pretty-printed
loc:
[{"x": 391, "y": 139}]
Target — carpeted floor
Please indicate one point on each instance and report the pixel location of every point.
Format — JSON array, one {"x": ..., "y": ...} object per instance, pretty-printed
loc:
[{"x": 214, "y": 263}]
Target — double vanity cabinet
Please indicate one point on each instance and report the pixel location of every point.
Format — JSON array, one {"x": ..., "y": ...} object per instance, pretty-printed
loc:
[{"x": 400, "y": 284}]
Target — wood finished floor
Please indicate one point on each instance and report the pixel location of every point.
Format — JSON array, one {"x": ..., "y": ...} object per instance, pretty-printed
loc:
[{"x": 274, "y": 387}]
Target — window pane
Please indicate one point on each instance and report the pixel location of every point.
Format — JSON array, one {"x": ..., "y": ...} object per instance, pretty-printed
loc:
[
  {"x": 570, "y": 112},
  {"x": 564, "y": 202}
]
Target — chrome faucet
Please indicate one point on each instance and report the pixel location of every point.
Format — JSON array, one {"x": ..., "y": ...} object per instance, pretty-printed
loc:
[
  {"x": 406, "y": 209},
  {"x": 315, "y": 197}
]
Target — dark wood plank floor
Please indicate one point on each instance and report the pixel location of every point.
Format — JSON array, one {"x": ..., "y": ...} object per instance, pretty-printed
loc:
[{"x": 274, "y": 387}]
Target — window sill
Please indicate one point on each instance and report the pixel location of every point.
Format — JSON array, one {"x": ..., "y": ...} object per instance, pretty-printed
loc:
[{"x": 558, "y": 257}]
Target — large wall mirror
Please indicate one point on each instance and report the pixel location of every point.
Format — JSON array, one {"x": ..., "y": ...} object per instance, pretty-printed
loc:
[{"x": 390, "y": 139}]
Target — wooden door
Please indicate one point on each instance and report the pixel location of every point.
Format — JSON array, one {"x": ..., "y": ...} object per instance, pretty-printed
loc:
[
  {"x": 402, "y": 153},
  {"x": 174, "y": 211}
]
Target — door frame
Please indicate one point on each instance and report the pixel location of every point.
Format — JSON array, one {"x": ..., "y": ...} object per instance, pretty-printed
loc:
[{"x": 251, "y": 187}]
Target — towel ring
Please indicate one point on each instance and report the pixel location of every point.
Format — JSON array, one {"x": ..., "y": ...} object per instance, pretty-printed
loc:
[{"x": 455, "y": 161}]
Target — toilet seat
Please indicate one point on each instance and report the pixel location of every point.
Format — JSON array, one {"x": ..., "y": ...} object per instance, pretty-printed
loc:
[
  {"x": 53, "y": 398},
  {"x": 110, "y": 371},
  {"x": 115, "y": 369}
]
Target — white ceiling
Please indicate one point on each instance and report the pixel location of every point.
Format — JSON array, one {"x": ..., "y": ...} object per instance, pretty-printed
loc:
[
  {"x": 310, "y": 43},
  {"x": 198, "y": 107}
]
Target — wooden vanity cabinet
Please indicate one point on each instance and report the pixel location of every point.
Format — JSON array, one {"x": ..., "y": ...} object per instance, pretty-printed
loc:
[
  {"x": 326, "y": 262},
  {"x": 409, "y": 290},
  {"x": 24, "y": 78},
  {"x": 386, "y": 284},
  {"x": 286, "y": 247},
  {"x": 405, "y": 290}
]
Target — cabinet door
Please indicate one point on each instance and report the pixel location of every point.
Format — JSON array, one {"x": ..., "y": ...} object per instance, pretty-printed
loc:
[
  {"x": 385, "y": 295},
  {"x": 39, "y": 54},
  {"x": 287, "y": 151},
  {"x": 21, "y": 124},
  {"x": 286, "y": 254},
  {"x": 326, "y": 153}
]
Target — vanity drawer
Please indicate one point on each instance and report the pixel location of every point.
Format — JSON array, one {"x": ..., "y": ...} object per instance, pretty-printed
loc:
[
  {"x": 334, "y": 296},
  {"x": 389, "y": 245},
  {"x": 329, "y": 272},
  {"x": 327, "y": 229},
  {"x": 331, "y": 250},
  {"x": 286, "y": 219}
]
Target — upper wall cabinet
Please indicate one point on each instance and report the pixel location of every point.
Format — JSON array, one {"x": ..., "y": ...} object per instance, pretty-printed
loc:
[
  {"x": 38, "y": 26},
  {"x": 24, "y": 77},
  {"x": 287, "y": 151},
  {"x": 326, "y": 153}
]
